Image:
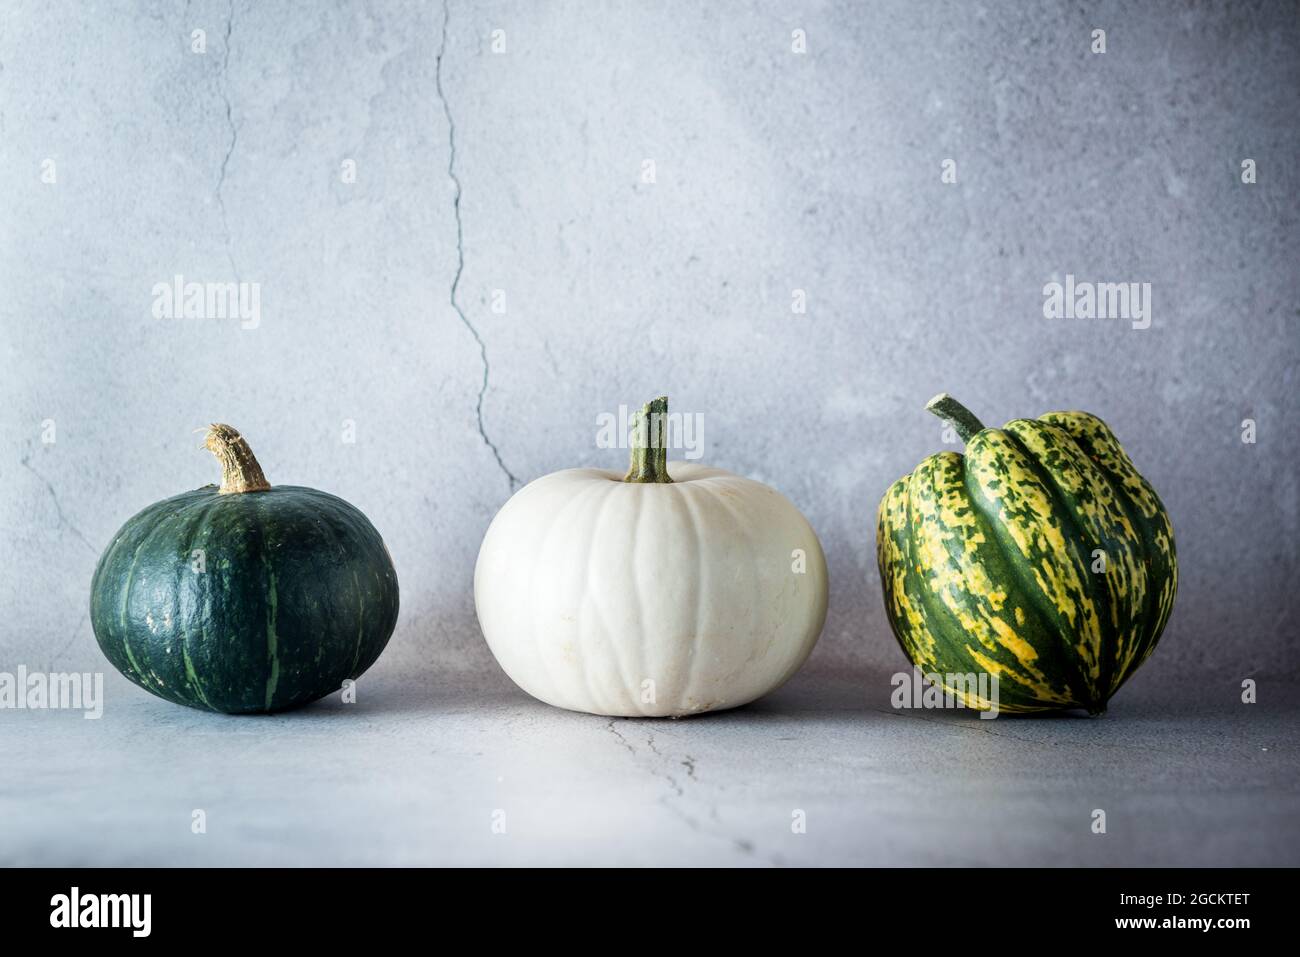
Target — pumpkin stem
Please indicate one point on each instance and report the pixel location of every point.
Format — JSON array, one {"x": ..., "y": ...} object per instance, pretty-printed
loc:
[
  {"x": 650, "y": 443},
  {"x": 239, "y": 469},
  {"x": 955, "y": 414}
]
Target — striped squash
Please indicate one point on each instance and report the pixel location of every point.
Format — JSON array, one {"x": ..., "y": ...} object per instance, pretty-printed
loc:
[{"x": 1040, "y": 557}]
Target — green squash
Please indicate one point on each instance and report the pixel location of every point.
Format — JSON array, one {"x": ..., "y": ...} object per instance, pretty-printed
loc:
[
  {"x": 244, "y": 598},
  {"x": 1040, "y": 557}
]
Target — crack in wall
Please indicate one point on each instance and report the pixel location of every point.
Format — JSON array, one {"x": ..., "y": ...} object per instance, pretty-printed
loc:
[
  {"x": 25, "y": 461},
  {"x": 72, "y": 640},
  {"x": 460, "y": 251},
  {"x": 234, "y": 138}
]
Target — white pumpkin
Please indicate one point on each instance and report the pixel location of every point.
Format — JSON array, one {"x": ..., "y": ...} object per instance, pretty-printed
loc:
[{"x": 675, "y": 590}]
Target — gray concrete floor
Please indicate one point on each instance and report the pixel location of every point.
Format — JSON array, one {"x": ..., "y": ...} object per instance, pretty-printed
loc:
[{"x": 414, "y": 775}]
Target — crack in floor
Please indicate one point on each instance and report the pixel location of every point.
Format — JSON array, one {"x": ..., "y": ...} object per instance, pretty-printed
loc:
[
  {"x": 740, "y": 844},
  {"x": 460, "y": 251},
  {"x": 621, "y": 740},
  {"x": 672, "y": 781}
]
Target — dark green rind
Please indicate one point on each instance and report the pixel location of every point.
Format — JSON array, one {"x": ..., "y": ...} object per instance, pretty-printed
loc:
[{"x": 298, "y": 594}]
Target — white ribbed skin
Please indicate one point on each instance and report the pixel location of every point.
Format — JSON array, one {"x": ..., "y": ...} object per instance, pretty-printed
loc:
[{"x": 587, "y": 586}]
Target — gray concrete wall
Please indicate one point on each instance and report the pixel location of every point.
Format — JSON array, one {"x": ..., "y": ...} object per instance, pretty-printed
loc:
[{"x": 775, "y": 171}]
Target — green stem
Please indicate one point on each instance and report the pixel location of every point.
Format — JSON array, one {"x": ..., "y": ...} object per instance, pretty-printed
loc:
[
  {"x": 955, "y": 414},
  {"x": 650, "y": 444}
]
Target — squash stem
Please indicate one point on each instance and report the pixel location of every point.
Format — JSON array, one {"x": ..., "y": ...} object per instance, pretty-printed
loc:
[
  {"x": 955, "y": 414},
  {"x": 650, "y": 444},
  {"x": 239, "y": 469}
]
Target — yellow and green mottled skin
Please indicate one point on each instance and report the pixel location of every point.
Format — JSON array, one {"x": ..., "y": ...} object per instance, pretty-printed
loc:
[
  {"x": 244, "y": 598},
  {"x": 987, "y": 561}
]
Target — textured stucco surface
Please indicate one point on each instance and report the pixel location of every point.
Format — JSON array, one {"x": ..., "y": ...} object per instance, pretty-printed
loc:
[{"x": 775, "y": 172}]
